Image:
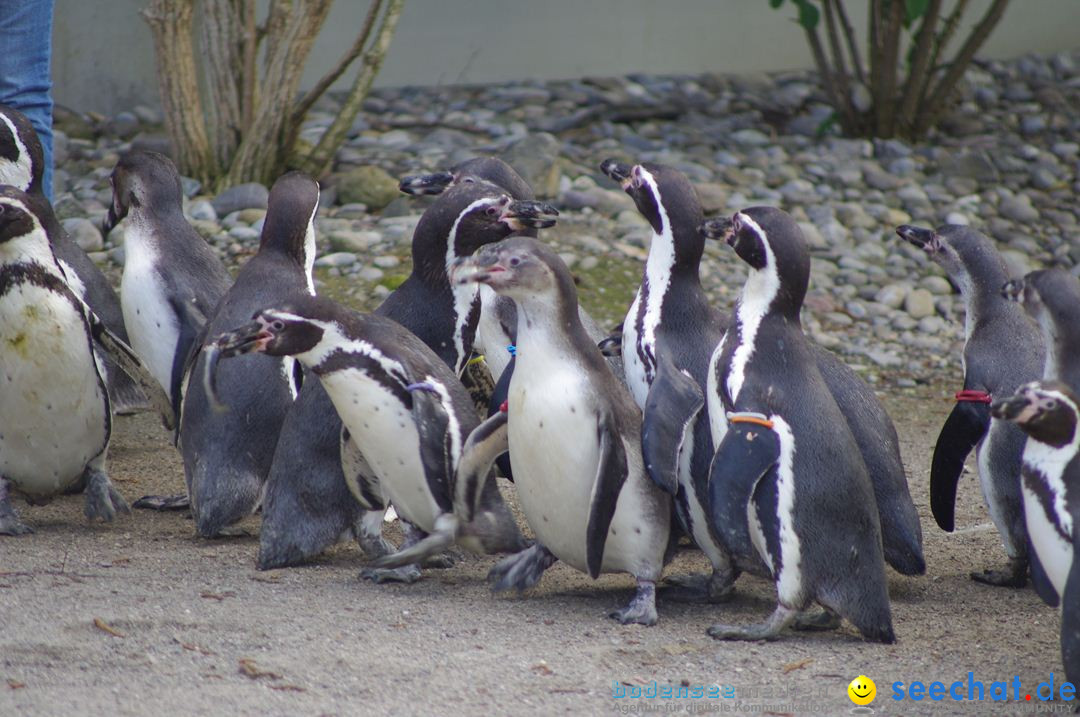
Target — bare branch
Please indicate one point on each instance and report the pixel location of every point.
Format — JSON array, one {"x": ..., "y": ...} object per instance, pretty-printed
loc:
[
  {"x": 842, "y": 81},
  {"x": 852, "y": 42},
  {"x": 250, "y": 78},
  {"x": 936, "y": 101},
  {"x": 171, "y": 24},
  {"x": 885, "y": 91},
  {"x": 327, "y": 80},
  {"x": 920, "y": 65},
  {"x": 322, "y": 155}
]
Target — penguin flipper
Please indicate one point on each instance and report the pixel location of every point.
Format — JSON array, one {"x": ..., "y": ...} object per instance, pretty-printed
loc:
[
  {"x": 611, "y": 473},
  {"x": 674, "y": 401},
  {"x": 487, "y": 441},
  {"x": 963, "y": 429},
  {"x": 1043, "y": 586},
  {"x": 747, "y": 454},
  {"x": 432, "y": 425},
  {"x": 499, "y": 396},
  {"x": 361, "y": 480},
  {"x": 191, "y": 324},
  {"x": 124, "y": 357}
]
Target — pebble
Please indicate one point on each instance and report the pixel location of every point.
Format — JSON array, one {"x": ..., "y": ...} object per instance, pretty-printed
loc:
[
  {"x": 919, "y": 303},
  {"x": 242, "y": 196},
  {"x": 85, "y": 233},
  {"x": 337, "y": 259}
]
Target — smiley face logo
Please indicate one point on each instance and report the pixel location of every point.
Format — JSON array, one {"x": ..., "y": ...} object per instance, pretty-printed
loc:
[{"x": 862, "y": 690}]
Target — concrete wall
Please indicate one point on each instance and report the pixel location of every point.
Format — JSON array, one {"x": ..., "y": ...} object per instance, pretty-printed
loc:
[{"x": 103, "y": 54}]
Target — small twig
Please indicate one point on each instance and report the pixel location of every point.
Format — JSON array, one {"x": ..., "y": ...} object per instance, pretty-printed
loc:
[
  {"x": 105, "y": 627},
  {"x": 338, "y": 70},
  {"x": 920, "y": 66},
  {"x": 842, "y": 81},
  {"x": 936, "y": 102},
  {"x": 852, "y": 43}
]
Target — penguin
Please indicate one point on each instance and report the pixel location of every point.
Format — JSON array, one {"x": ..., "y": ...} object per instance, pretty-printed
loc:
[
  {"x": 573, "y": 432},
  {"x": 172, "y": 279},
  {"x": 1051, "y": 297},
  {"x": 306, "y": 476},
  {"x": 488, "y": 169},
  {"x": 1002, "y": 350},
  {"x": 55, "y": 411},
  {"x": 788, "y": 480},
  {"x": 1049, "y": 413},
  {"x": 668, "y": 339},
  {"x": 404, "y": 409},
  {"x": 22, "y": 166},
  {"x": 227, "y": 454}
]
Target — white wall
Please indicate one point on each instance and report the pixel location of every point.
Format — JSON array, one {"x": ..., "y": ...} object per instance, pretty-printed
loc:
[{"x": 103, "y": 54}]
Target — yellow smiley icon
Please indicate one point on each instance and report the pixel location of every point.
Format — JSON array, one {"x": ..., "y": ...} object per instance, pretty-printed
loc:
[{"x": 862, "y": 690}]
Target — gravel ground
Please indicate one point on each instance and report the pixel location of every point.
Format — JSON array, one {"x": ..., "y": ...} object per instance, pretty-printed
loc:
[{"x": 141, "y": 617}]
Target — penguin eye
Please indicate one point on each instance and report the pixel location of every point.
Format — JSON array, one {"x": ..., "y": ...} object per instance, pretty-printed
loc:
[
  {"x": 468, "y": 180},
  {"x": 492, "y": 211},
  {"x": 514, "y": 261},
  {"x": 277, "y": 325}
]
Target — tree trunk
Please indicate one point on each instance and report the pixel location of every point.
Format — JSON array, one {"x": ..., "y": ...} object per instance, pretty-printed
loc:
[
  {"x": 222, "y": 42},
  {"x": 291, "y": 30},
  {"x": 171, "y": 24},
  {"x": 322, "y": 155}
]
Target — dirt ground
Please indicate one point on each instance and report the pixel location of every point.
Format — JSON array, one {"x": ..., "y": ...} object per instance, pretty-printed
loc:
[{"x": 141, "y": 617}]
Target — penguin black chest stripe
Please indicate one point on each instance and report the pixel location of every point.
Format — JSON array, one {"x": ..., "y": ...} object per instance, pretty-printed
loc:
[
  {"x": 466, "y": 298},
  {"x": 1039, "y": 483},
  {"x": 12, "y": 275},
  {"x": 387, "y": 374},
  {"x": 761, "y": 289}
]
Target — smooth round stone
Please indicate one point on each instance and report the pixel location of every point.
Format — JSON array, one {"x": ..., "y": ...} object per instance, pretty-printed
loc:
[
  {"x": 937, "y": 285},
  {"x": 932, "y": 325},
  {"x": 370, "y": 273},
  {"x": 85, "y": 233},
  {"x": 337, "y": 259},
  {"x": 1018, "y": 208},
  {"x": 892, "y": 295},
  {"x": 386, "y": 262},
  {"x": 919, "y": 303},
  {"x": 202, "y": 210},
  {"x": 957, "y": 218},
  {"x": 244, "y": 233}
]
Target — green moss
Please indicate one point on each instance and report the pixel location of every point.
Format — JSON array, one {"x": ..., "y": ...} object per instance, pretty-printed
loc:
[{"x": 607, "y": 290}]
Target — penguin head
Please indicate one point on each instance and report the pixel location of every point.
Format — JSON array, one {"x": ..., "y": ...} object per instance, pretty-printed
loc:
[
  {"x": 960, "y": 250},
  {"x": 519, "y": 267},
  {"x": 1045, "y": 410},
  {"x": 143, "y": 179},
  {"x": 770, "y": 241},
  {"x": 286, "y": 330},
  {"x": 289, "y": 227},
  {"x": 21, "y": 154},
  {"x": 475, "y": 214},
  {"x": 486, "y": 169},
  {"x": 17, "y": 214},
  {"x": 1049, "y": 296},
  {"x": 666, "y": 199}
]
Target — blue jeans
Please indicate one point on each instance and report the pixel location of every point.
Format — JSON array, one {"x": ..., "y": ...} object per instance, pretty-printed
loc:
[{"x": 25, "y": 78}]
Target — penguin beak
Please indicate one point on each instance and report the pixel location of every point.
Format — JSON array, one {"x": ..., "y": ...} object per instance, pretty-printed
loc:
[
  {"x": 249, "y": 338},
  {"x": 925, "y": 239},
  {"x": 423, "y": 184},
  {"x": 617, "y": 171},
  {"x": 524, "y": 214},
  {"x": 480, "y": 268},
  {"x": 115, "y": 214},
  {"x": 1015, "y": 408},
  {"x": 719, "y": 229}
]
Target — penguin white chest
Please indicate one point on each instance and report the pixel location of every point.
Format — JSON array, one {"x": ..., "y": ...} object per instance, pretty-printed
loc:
[
  {"x": 151, "y": 322},
  {"x": 491, "y": 340},
  {"x": 552, "y": 433},
  {"x": 633, "y": 365},
  {"x": 1044, "y": 523},
  {"x": 385, "y": 432},
  {"x": 53, "y": 411}
]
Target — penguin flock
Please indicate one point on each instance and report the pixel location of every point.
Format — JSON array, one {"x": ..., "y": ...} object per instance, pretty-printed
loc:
[{"x": 729, "y": 429}]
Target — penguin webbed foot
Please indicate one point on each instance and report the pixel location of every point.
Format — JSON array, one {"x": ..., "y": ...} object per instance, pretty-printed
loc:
[
  {"x": 719, "y": 587},
  {"x": 423, "y": 549},
  {"x": 1013, "y": 575},
  {"x": 642, "y": 609},
  {"x": 163, "y": 502},
  {"x": 522, "y": 570},
  {"x": 10, "y": 524},
  {"x": 102, "y": 499},
  {"x": 407, "y": 574},
  {"x": 816, "y": 621},
  {"x": 768, "y": 630}
]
